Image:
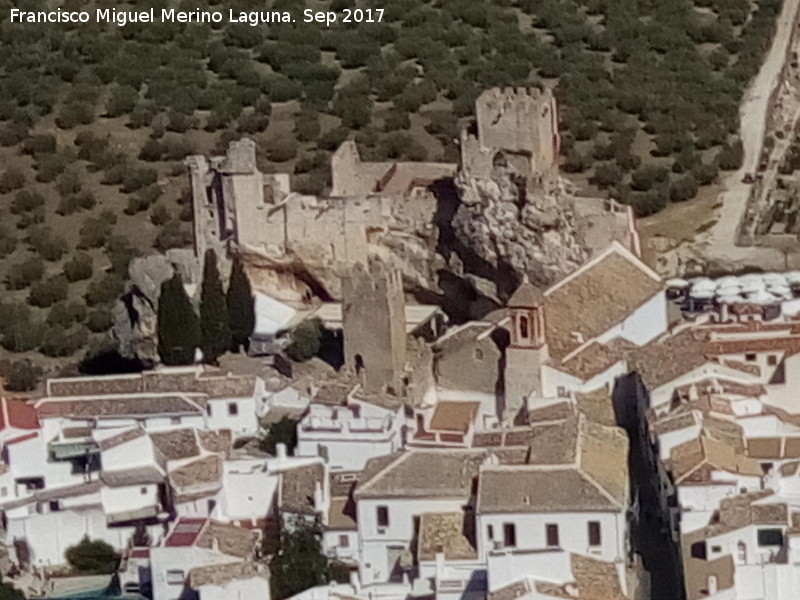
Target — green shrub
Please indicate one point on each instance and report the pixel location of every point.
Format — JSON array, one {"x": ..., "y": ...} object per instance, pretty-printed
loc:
[
  {"x": 644, "y": 178},
  {"x": 79, "y": 267},
  {"x": 39, "y": 144},
  {"x": 94, "y": 233},
  {"x": 683, "y": 189},
  {"x": 47, "y": 292},
  {"x": 92, "y": 557},
  {"x": 105, "y": 290},
  {"x": 160, "y": 215},
  {"x": 26, "y": 201},
  {"x": 59, "y": 342},
  {"x": 281, "y": 149},
  {"x": 19, "y": 376},
  {"x": 306, "y": 340},
  {"x": 66, "y": 313},
  {"x": 136, "y": 179},
  {"x": 99, "y": 320},
  {"x": 731, "y": 156},
  {"x": 11, "y": 179}
]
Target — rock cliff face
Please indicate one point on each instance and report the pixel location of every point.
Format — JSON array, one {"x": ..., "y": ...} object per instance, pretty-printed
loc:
[
  {"x": 530, "y": 233},
  {"x": 135, "y": 313}
]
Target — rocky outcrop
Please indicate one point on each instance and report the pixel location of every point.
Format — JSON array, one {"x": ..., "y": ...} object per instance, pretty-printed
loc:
[
  {"x": 504, "y": 224},
  {"x": 136, "y": 311}
]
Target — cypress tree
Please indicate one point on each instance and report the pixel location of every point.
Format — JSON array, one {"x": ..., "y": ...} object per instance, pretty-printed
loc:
[
  {"x": 215, "y": 333},
  {"x": 241, "y": 306},
  {"x": 178, "y": 330}
]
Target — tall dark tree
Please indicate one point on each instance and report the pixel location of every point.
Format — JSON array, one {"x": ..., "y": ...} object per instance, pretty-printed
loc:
[
  {"x": 241, "y": 306},
  {"x": 178, "y": 329},
  {"x": 299, "y": 563},
  {"x": 215, "y": 333}
]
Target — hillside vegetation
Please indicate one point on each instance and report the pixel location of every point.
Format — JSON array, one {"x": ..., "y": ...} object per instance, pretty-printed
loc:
[{"x": 95, "y": 119}]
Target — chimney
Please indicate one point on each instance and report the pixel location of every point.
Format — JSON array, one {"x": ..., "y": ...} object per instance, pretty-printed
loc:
[
  {"x": 280, "y": 449},
  {"x": 317, "y": 495}
]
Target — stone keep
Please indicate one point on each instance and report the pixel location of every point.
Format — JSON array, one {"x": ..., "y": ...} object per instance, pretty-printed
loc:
[
  {"x": 373, "y": 322},
  {"x": 527, "y": 350},
  {"x": 516, "y": 129}
]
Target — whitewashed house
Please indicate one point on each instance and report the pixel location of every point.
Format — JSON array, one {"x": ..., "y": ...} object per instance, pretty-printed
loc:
[
  {"x": 347, "y": 429},
  {"x": 206, "y": 555}
]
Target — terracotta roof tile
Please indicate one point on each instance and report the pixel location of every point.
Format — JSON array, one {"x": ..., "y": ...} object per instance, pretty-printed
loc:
[{"x": 599, "y": 295}]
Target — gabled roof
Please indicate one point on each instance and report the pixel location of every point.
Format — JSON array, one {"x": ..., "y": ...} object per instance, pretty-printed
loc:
[
  {"x": 421, "y": 474},
  {"x": 573, "y": 465},
  {"x": 687, "y": 460},
  {"x": 596, "y": 297}
]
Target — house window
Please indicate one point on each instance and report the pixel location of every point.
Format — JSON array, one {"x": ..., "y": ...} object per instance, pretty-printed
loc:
[
  {"x": 208, "y": 409},
  {"x": 523, "y": 328},
  {"x": 233, "y": 409},
  {"x": 478, "y": 354},
  {"x": 490, "y": 531},
  {"x": 772, "y": 360},
  {"x": 3, "y": 492},
  {"x": 344, "y": 541},
  {"x": 551, "y": 530},
  {"x": 509, "y": 535},
  {"x": 750, "y": 356},
  {"x": 594, "y": 533},
  {"x": 175, "y": 577},
  {"x": 383, "y": 516},
  {"x": 175, "y": 420},
  {"x": 562, "y": 392},
  {"x": 716, "y": 549},
  {"x": 770, "y": 537},
  {"x": 55, "y": 505},
  {"x": 143, "y": 491}
]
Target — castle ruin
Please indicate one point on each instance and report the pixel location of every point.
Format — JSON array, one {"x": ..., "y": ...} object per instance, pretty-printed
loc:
[{"x": 513, "y": 208}]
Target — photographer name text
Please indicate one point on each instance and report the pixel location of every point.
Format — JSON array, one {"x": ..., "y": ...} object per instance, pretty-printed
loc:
[{"x": 253, "y": 18}]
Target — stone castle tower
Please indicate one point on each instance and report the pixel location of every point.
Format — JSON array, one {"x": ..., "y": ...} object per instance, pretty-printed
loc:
[
  {"x": 373, "y": 322},
  {"x": 516, "y": 131},
  {"x": 527, "y": 350}
]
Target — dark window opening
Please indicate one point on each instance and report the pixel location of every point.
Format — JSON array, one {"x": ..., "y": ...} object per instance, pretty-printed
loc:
[
  {"x": 383, "y": 516},
  {"x": 750, "y": 356},
  {"x": 509, "y": 535},
  {"x": 552, "y": 534},
  {"x": 770, "y": 537},
  {"x": 233, "y": 409},
  {"x": 772, "y": 360},
  {"x": 595, "y": 538}
]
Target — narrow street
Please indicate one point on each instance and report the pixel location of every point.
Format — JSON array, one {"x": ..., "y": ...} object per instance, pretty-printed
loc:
[{"x": 659, "y": 554}]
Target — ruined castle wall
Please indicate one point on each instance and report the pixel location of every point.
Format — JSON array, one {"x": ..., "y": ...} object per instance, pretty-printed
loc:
[
  {"x": 347, "y": 172},
  {"x": 333, "y": 230}
]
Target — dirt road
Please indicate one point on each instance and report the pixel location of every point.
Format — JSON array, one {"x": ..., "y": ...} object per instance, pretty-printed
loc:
[{"x": 718, "y": 244}]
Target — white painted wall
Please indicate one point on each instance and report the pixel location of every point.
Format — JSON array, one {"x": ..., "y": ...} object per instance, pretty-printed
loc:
[
  {"x": 243, "y": 423},
  {"x": 255, "y": 588},
  {"x": 573, "y": 532},
  {"x": 643, "y": 325},
  {"x": 49, "y": 535},
  {"x": 373, "y": 564},
  {"x": 179, "y": 560}
]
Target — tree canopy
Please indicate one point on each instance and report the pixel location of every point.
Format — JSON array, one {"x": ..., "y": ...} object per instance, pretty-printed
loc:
[
  {"x": 215, "y": 333},
  {"x": 177, "y": 324},
  {"x": 241, "y": 306}
]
